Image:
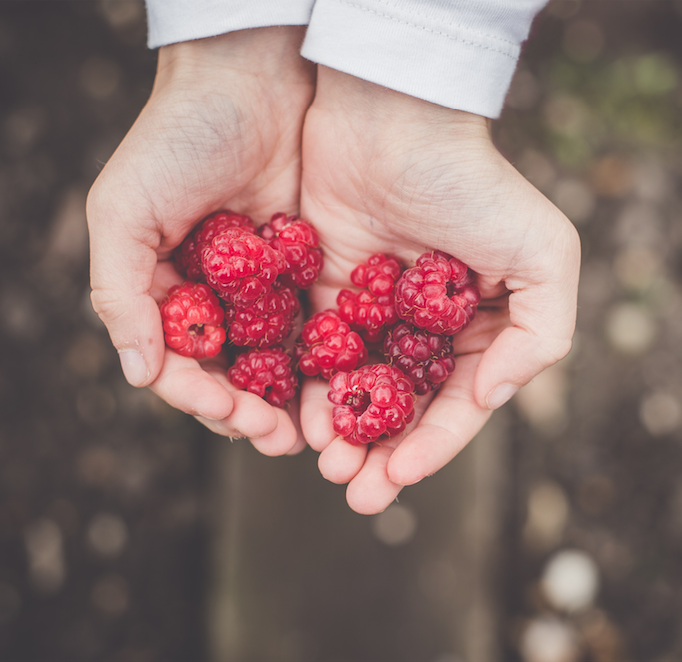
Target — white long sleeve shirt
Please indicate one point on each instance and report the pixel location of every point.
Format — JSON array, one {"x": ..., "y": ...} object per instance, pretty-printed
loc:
[{"x": 456, "y": 53}]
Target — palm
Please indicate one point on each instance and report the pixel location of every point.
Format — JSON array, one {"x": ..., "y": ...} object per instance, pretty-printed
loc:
[{"x": 373, "y": 183}]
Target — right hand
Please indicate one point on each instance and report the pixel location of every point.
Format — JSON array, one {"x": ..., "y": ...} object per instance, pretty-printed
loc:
[{"x": 222, "y": 129}]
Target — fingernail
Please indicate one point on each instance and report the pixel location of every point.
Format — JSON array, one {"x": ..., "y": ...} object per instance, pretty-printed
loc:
[
  {"x": 206, "y": 418},
  {"x": 499, "y": 395},
  {"x": 134, "y": 367}
]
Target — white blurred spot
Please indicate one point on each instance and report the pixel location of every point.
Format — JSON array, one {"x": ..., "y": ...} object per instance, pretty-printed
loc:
[
  {"x": 549, "y": 640},
  {"x": 652, "y": 181},
  {"x": 570, "y": 580},
  {"x": 10, "y": 603},
  {"x": 121, "y": 13},
  {"x": 583, "y": 40},
  {"x": 111, "y": 594},
  {"x": 395, "y": 526},
  {"x": 437, "y": 580},
  {"x": 537, "y": 169},
  {"x": 660, "y": 413},
  {"x": 99, "y": 77},
  {"x": 630, "y": 328},
  {"x": 107, "y": 534},
  {"x": 68, "y": 242},
  {"x": 524, "y": 91},
  {"x": 564, "y": 8},
  {"x": 542, "y": 402},
  {"x": 95, "y": 404},
  {"x": 637, "y": 267},
  {"x": 575, "y": 199},
  {"x": 547, "y": 515},
  {"x": 640, "y": 225},
  {"x": 43, "y": 542},
  {"x": 566, "y": 114}
]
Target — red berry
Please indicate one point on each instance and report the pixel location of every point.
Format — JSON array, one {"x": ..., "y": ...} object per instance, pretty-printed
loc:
[
  {"x": 192, "y": 320},
  {"x": 188, "y": 254},
  {"x": 241, "y": 266},
  {"x": 265, "y": 322},
  {"x": 327, "y": 345},
  {"x": 267, "y": 373},
  {"x": 437, "y": 294},
  {"x": 371, "y": 402},
  {"x": 372, "y": 310},
  {"x": 298, "y": 241},
  {"x": 426, "y": 358}
]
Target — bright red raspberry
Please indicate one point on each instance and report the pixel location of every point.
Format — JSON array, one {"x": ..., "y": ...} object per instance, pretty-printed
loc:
[
  {"x": 267, "y": 321},
  {"x": 188, "y": 254},
  {"x": 267, "y": 373},
  {"x": 193, "y": 320},
  {"x": 298, "y": 241},
  {"x": 437, "y": 294},
  {"x": 327, "y": 345},
  {"x": 426, "y": 358},
  {"x": 372, "y": 401},
  {"x": 372, "y": 310},
  {"x": 240, "y": 266}
]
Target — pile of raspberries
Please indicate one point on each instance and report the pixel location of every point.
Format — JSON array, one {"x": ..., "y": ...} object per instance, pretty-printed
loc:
[{"x": 243, "y": 285}]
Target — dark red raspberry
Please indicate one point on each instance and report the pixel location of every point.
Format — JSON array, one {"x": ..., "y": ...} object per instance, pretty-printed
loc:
[
  {"x": 327, "y": 345},
  {"x": 372, "y": 310},
  {"x": 241, "y": 266},
  {"x": 298, "y": 241},
  {"x": 437, "y": 294},
  {"x": 426, "y": 358},
  {"x": 192, "y": 320},
  {"x": 188, "y": 254},
  {"x": 372, "y": 401},
  {"x": 267, "y": 373},
  {"x": 267, "y": 321}
]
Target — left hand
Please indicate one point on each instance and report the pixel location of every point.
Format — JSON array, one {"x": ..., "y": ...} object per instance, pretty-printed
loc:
[{"x": 387, "y": 173}]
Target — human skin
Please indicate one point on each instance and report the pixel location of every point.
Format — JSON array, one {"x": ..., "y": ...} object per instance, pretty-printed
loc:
[
  {"x": 388, "y": 173},
  {"x": 222, "y": 129}
]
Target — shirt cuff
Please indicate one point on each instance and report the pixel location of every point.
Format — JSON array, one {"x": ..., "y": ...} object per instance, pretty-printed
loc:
[
  {"x": 171, "y": 21},
  {"x": 456, "y": 54}
]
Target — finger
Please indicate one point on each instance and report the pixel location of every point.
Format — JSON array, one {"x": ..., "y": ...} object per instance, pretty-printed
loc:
[
  {"x": 294, "y": 411},
  {"x": 281, "y": 440},
  {"x": 451, "y": 421},
  {"x": 185, "y": 385},
  {"x": 543, "y": 320},
  {"x": 122, "y": 268},
  {"x": 372, "y": 491},
  {"x": 340, "y": 461},
  {"x": 251, "y": 417},
  {"x": 316, "y": 414}
]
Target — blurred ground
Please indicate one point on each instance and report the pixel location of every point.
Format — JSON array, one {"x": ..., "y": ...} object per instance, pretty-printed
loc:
[{"x": 105, "y": 493}]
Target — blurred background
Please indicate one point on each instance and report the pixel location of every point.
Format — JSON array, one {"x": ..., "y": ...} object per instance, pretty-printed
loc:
[{"x": 128, "y": 533}]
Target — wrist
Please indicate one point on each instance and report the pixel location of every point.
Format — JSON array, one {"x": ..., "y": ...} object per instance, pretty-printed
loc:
[
  {"x": 383, "y": 110},
  {"x": 267, "y": 55}
]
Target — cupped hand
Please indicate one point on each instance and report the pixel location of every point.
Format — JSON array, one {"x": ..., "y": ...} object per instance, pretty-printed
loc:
[
  {"x": 222, "y": 129},
  {"x": 387, "y": 173}
]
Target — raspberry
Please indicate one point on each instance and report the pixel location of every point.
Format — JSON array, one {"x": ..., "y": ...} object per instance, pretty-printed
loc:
[
  {"x": 192, "y": 320},
  {"x": 298, "y": 241},
  {"x": 188, "y": 254},
  {"x": 426, "y": 358},
  {"x": 267, "y": 373},
  {"x": 437, "y": 294},
  {"x": 265, "y": 322},
  {"x": 241, "y": 266},
  {"x": 327, "y": 345},
  {"x": 373, "y": 401},
  {"x": 372, "y": 310}
]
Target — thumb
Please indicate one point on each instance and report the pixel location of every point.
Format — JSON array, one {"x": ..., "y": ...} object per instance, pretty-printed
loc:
[
  {"x": 122, "y": 263},
  {"x": 543, "y": 321}
]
